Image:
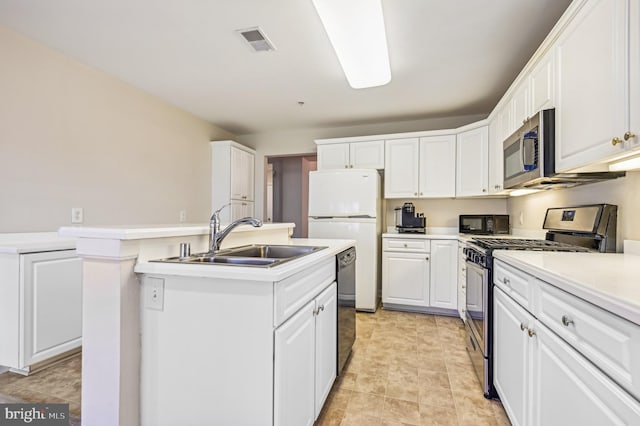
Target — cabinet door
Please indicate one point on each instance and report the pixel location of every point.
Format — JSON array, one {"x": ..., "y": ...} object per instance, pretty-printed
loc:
[
  {"x": 496, "y": 167},
  {"x": 443, "y": 290},
  {"x": 541, "y": 84},
  {"x": 512, "y": 356},
  {"x": 591, "y": 56},
  {"x": 238, "y": 210},
  {"x": 520, "y": 106},
  {"x": 366, "y": 155},
  {"x": 569, "y": 390},
  {"x": 401, "y": 168},
  {"x": 472, "y": 174},
  {"x": 52, "y": 304},
  {"x": 634, "y": 69},
  {"x": 326, "y": 344},
  {"x": 333, "y": 156},
  {"x": 294, "y": 369},
  {"x": 437, "y": 174},
  {"x": 242, "y": 175},
  {"x": 405, "y": 278}
]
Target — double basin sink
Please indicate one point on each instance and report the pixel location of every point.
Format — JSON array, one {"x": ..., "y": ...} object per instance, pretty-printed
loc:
[{"x": 256, "y": 255}]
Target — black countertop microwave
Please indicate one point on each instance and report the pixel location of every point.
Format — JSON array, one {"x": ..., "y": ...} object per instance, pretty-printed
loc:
[{"x": 484, "y": 224}]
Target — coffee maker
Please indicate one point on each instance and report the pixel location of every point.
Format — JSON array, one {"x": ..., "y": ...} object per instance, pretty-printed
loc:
[{"x": 407, "y": 221}]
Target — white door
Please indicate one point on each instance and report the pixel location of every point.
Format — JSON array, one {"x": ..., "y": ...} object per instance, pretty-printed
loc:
[
  {"x": 592, "y": 84},
  {"x": 472, "y": 176},
  {"x": 367, "y": 155},
  {"x": 333, "y": 156},
  {"x": 443, "y": 289},
  {"x": 52, "y": 304},
  {"x": 365, "y": 232},
  {"x": 353, "y": 192},
  {"x": 294, "y": 369},
  {"x": 569, "y": 390},
  {"x": 405, "y": 278},
  {"x": 437, "y": 167},
  {"x": 326, "y": 344},
  {"x": 512, "y": 357},
  {"x": 541, "y": 84},
  {"x": 401, "y": 168}
]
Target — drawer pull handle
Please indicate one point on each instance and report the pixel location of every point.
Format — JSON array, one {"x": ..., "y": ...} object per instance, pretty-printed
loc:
[
  {"x": 531, "y": 333},
  {"x": 522, "y": 327},
  {"x": 506, "y": 281},
  {"x": 566, "y": 321},
  {"x": 405, "y": 245}
]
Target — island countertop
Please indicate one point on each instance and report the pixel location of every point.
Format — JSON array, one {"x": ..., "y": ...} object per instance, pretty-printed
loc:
[
  {"x": 608, "y": 280},
  {"x": 249, "y": 273}
]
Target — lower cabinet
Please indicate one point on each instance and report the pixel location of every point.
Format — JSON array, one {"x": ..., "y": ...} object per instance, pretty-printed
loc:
[
  {"x": 420, "y": 273},
  {"x": 305, "y": 360},
  {"x": 41, "y": 307},
  {"x": 543, "y": 380}
]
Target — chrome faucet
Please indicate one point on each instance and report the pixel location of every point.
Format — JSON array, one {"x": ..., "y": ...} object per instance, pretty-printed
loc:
[{"x": 216, "y": 236}]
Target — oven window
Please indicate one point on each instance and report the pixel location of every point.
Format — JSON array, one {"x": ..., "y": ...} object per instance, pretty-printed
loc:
[
  {"x": 475, "y": 298},
  {"x": 512, "y": 166}
]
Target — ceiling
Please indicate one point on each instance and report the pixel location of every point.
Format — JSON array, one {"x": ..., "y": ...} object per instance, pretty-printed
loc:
[{"x": 448, "y": 58}]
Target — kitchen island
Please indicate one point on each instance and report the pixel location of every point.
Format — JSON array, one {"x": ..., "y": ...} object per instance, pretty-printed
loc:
[{"x": 112, "y": 305}]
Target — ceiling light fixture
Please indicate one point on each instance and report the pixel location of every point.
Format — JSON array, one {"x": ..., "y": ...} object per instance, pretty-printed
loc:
[{"x": 356, "y": 31}]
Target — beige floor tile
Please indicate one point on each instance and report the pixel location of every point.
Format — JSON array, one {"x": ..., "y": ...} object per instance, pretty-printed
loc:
[
  {"x": 433, "y": 379},
  {"x": 403, "y": 390},
  {"x": 376, "y": 385},
  {"x": 401, "y": 411},
  {"x": 438, "y": 416},
  {"x": 330, "y": 417},
  {"x": 360, "y": 419},
  {"x": 365, "y": 403},
  {"x": 429, "y": 398}
]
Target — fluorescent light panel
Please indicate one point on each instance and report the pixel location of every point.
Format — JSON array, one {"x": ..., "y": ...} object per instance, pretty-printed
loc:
[
  {"x": 630, "y": 164},
  {"x": 356, "y": 31}
]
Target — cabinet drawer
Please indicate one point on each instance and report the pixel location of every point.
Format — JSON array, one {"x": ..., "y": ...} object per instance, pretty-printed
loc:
[
  {"x": 406, "y": 244},
  {"x": 610, "y": 342},
  {"x": 515, "y": 283},
  {"x": 294, "y": 292}
]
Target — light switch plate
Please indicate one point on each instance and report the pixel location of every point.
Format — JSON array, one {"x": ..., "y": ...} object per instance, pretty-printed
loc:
[{"x": 154, "y": 293}]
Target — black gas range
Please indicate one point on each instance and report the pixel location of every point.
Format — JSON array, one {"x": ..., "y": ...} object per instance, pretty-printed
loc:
[{"x": 589, "y": 228}]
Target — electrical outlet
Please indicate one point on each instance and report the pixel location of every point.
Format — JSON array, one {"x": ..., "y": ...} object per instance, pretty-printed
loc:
[
  {"x": 154, "y": 293},
  {"x": 77, "y": 215},
  {"x": 183, "y": 216}
]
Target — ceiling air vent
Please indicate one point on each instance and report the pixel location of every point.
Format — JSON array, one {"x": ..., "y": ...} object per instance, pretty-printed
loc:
[{"x": 256, "y": 39}]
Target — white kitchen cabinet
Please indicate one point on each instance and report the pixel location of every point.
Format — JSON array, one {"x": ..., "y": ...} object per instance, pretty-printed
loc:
[
  {"x": 542, "y": 85},
  {"x": 437, "y": 167},
  {"x": 443, "y": 291},
  {"x": 305, "y": 360},
  {"x": 420, "y": 167},
  {"x": 556, "y": 356},
  {"x": 405, "y": 278},
  {"x": 512, "y": 357},
  {"x": 519, "y": 105},
  {"x": 472, "y": 175},
  {"x": 41, "y": 304},
  {"x": 496, "y": 167},
  {"x": 462, "y": 281},
  {"x": 232, "y": 179},
  {"x": 593, "y": 84},
  {"x": 359, "y": 155},
  {"x": 402, "y": 168}
]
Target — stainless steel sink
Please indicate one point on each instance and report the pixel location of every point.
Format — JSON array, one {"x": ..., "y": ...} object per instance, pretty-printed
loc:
[{"x": 256, "y": 255}]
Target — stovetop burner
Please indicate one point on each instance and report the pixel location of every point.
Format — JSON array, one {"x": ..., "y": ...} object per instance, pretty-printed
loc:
[{"x": 526, "y": 244}]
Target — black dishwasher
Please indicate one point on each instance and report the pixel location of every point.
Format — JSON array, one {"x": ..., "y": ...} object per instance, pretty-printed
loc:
[{"x": 346, "y": 280}]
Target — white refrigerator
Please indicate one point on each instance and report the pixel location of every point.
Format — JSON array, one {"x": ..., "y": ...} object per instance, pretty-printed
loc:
[{"x": 345, "y": 204}]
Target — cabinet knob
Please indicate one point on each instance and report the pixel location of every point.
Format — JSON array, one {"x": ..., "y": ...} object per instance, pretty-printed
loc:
[
  {"x": 415, "y": 193},
  {"x": 628, "y": 135},
  {"x": 421, "y": 193},
  {"x": 464, "y": 286},
  {"x": 506, "y": 281},
  {"x": 351, "y": 166},
  {"x": 522, "y": 327},
  {"x": 531, "y": 333},
  {"x": 566, "y": 321},
  {"x": 346, "y": 166},
  {"x": 484, "y": 189},
  {"x": 615, "y": 141},
  {"x": 427, "y": 258}
]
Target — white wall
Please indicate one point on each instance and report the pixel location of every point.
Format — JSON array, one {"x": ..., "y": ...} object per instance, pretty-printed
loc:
[
  {"x": 300, "y": 141},
  {"x": 72, "y": 136},
  {"x": 623, "y": 192}
]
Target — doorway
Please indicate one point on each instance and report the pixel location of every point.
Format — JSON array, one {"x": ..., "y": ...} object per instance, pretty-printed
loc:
[{"x": 287, "y": 190}]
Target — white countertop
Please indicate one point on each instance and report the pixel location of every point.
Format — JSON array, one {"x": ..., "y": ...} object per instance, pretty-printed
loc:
[
  {"x": 15, "y": 243},
  {"x": 137, "y": 232},
  {"x": 608, "y": 280},
  {"x": 275, "y": 273}
]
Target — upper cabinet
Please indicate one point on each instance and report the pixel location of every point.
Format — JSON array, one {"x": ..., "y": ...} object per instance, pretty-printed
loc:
[
  {"x": 496, "y": 169},
  {"x": 593, "y": 70},
  {"x": 232, "y": 179},
  {"x": 472, "y": 177},
  {"x": 420, "y": 167},
  {"x": 542, "y": 85},
  {"x": 358, "y": 155}
]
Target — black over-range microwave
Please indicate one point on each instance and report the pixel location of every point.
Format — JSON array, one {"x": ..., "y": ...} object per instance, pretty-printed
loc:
[{"x": 484, "y": 224}]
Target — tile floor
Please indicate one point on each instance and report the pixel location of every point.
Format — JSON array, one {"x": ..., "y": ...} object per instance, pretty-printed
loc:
[
  {"x": 409, "y": 369},
  {"x": 59, "y": 383}
]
